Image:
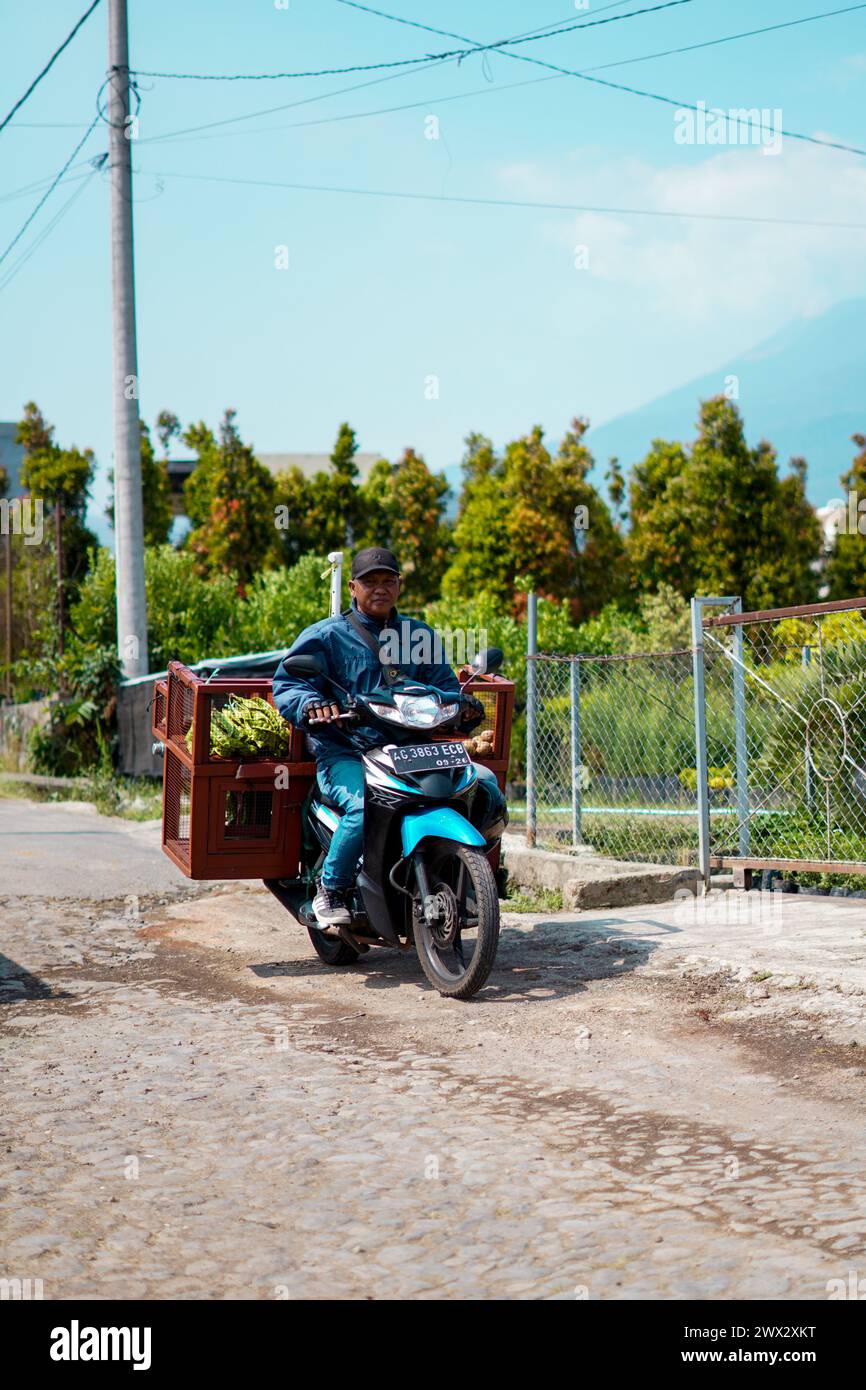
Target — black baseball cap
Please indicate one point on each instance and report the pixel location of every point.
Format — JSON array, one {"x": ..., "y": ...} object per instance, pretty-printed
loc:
[{"x": 373, "y": 558}]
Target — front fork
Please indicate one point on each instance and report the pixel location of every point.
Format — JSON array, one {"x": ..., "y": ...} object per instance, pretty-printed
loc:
[{"x": 429, "y": 904}]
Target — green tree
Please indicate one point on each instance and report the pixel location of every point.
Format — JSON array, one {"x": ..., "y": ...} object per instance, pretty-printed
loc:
[
  {"x": 482, "y": 562},
  {"x": 616, "y": 491},
  {"x": 718, "y": 519},
  {"x": 376, "y": 497},
  {"x": 534, "y": 516},
  {"x": 58, "y": 479},
  {"x": 168, "y": 427},
  {"x": 293, "y": 511},
  {"x": 155, "y": 493},
  {"x": 404, "y": 504},
  {"x": 846, "y": 566},
  {"x": 347, "y": 503},
  {"x": 280, "y": 603},
  {"x": 230, "y": 499},
  {"x": 325, "y": 512},
  {"x": 190, "y": 616}
]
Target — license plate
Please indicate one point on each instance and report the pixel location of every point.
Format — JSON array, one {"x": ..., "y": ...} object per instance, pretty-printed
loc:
[{"x": 428, "y": 757}]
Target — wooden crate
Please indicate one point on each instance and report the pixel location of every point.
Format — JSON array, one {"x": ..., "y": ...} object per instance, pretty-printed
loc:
[{"x": 223, "y": 818}]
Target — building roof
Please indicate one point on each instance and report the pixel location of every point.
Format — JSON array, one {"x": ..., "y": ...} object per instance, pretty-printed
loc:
[{"x": 310, "y": 464}]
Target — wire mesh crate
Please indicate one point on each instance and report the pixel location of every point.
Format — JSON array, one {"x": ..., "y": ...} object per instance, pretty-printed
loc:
[{"x": 159, "y": 709}]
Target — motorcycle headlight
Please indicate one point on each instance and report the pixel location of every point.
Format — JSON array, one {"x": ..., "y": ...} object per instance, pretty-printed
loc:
[
  {"x": 387, "y": 712},
  {"x": 421, "y": 710}
]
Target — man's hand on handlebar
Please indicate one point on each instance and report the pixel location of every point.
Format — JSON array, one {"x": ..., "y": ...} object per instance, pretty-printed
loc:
[{"x": 315, "y": 713}]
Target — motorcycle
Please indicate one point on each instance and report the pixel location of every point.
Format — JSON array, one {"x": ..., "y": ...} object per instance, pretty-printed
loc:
[{"x": 430, "y": 820}]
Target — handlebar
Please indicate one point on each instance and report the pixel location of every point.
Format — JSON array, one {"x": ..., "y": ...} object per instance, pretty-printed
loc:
[
  {"x": 353, "y": 716},
  {"x": 349, "y": 716}
]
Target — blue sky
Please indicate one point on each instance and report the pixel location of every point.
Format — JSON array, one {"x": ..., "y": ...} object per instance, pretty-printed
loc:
[{"x": 381, "y": 294}]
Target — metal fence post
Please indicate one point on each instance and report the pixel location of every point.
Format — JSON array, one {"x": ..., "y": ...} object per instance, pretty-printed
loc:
[
  {"x": 531, "y": 711},
  {"x": 701, "y": 742},
  {"x": 740, "y": 743},
  {"x": 807, "y": 762},
  {"x": 335, "y": 560},
  {"x": 576, "y": 788}
]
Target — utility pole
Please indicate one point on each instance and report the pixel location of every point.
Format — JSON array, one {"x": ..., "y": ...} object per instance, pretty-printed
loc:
[
  {"x": 128, "y": 511},
  {"x": 58, "y": 559},
  {"x": 8, "y": 610}
]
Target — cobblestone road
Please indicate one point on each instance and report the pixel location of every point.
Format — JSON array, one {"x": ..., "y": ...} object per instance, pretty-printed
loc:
[{"x": 199, "y": 1110}]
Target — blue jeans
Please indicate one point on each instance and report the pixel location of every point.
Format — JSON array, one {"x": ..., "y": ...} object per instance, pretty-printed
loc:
[{"x": 343, "y": 781}]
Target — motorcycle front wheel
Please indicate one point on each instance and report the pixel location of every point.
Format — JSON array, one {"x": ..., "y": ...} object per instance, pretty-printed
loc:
[{"x": 457, "y": 951}]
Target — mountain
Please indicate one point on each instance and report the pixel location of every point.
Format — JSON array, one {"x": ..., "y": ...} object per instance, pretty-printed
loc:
[{"x": 804, "y": 390}]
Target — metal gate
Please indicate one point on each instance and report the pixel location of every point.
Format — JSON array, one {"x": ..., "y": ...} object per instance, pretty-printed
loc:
[{"x": 780, "y": 736}]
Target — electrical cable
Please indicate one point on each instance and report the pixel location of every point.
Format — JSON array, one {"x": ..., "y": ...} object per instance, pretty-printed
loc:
[
  {"x": 170, "y": 136},
  {"x": 47, "y": 194},
  {"x": 324, "y": 96},
  {"x": 513, "y": 202},
  {"x": 728, "y": 38},
  {"x": 653, "y": 96},
  {"x": 458, "y": 53},
  {"x": 48, "y": 228},
  {"x": 416, "y": 24},
  {"x": 51, "y": 61},
  {"x": 40, "y": 183}
]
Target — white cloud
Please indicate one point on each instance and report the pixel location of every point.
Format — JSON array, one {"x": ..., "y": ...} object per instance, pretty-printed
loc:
[{"x": 742, "y": 275}]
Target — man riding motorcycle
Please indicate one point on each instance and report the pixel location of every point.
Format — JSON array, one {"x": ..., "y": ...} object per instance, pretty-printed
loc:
[{"x": 356, "y": 650}]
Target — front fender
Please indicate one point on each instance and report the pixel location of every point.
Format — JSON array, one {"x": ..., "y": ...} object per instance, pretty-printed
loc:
[{"x": 443, "y": 822}]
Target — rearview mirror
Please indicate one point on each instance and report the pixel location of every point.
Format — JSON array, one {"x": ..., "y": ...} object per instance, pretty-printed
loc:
[
  {"x": 303, "y": 665},
  {"x": 488, "y": 660}
]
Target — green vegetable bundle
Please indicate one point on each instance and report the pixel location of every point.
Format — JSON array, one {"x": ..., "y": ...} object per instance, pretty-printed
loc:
[{"x": 247, "y": 727}]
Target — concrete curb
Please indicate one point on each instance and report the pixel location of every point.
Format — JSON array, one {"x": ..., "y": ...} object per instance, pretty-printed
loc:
[{"x": 590, "y": 881}]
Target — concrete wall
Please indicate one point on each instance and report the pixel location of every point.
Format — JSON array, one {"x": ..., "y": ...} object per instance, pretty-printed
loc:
[{"x": 16, "y": 721}]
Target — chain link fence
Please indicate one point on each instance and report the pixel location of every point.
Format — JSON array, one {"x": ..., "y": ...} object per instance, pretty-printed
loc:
[
  {"x": 786, "y": 738},
  {"x": 748, "y": 749},
  {"x": 614, "y": 765}
]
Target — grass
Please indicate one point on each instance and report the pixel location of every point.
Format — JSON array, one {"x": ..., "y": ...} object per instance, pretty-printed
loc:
[
  {"x": 130, "y": 798},
  {"x": 533, "y": 900}
]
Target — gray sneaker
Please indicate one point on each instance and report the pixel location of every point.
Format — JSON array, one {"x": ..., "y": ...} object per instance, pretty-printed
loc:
[{"x": 330, "y": 908}]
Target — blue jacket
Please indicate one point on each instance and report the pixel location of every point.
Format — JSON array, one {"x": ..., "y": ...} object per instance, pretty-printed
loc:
[{"x": 347, "y": 658}]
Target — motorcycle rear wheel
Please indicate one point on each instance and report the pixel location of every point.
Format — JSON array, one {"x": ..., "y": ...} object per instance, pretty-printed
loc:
[
  {"x": 332, "y": 950},
  {"x": 457, "y": 956}
]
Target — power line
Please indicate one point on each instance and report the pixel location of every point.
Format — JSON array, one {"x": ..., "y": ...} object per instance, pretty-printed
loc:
[
  {"x": 47, "y": 229},
  {"x": 728, "y": 38},
  {"x": 514, "y": 202},
  {"x": 416, "y": 24},
  {"x": 285, "y": 106},
  {"x": 51, "y": 61},
  {"x": 324, "y": 96},
  {"x": 47, "y": 194},
  {"x": 172, "y": 136},
  {"x": 584, "y": 76},
  {"x": 458, "y": 53},
  {"x": 40, "y": 183},
  {"x": 479, "y": 91}
]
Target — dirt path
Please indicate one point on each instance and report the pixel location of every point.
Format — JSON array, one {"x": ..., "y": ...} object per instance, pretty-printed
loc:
[{"x": 196, "y": 1107}]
